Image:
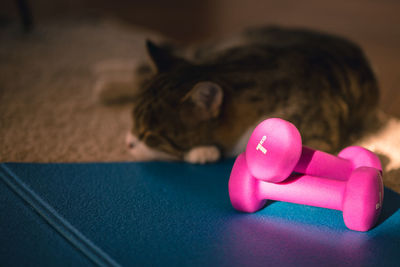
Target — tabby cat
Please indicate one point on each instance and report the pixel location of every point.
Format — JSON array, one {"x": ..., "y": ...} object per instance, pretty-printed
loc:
[{"x": 203, "y": 104}]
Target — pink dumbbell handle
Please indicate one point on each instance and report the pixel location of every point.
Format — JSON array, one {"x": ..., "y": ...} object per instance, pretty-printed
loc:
[
  {"x": 306, "y": 190},
  {"x": 318, "y": 163}
]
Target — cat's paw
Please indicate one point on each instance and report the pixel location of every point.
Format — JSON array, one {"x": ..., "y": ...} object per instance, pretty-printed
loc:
[
  {"x": 202, "y": 154},
  {"x": 385, "y": 141}
]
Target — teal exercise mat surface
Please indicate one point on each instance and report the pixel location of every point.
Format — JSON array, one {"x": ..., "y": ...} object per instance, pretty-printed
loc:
[{"x": 141, "y": 214}]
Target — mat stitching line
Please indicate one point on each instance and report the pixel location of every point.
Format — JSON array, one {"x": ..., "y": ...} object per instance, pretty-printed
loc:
[{"x": 61, "y": 225}]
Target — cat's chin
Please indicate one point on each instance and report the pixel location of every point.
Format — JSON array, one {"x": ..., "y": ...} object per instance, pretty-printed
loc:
[
  {"x": 141, "y": 152},
  {"x": 197, "y": 155}
]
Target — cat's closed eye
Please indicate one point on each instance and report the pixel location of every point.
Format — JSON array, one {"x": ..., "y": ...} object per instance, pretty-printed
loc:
[{"x": 152, "y": 140}]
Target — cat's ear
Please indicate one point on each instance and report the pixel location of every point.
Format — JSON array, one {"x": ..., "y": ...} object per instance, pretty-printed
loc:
[
  {"x": 162, "y": 57},
  {"x": 207, "y": 97}
]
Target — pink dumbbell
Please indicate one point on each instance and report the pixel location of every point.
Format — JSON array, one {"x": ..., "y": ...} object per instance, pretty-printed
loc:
[
  {"x": 275, "y": 150},
  {"x": 360, "y": 197}
]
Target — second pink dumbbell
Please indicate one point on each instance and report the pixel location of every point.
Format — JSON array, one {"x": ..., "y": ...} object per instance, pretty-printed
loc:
[{"x": 275, "y": 150}]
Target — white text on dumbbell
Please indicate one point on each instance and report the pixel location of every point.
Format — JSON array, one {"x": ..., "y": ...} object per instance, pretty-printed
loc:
[{"x": 260, "y": 147}]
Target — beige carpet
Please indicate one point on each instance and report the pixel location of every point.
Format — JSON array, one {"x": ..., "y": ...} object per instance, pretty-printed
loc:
[
  {"x": 48, "y": 107},
  {"x": 48, "y": 111}
]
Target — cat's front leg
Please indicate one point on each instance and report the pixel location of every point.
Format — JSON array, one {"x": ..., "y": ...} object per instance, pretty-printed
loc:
[{"x": 202, "y": 154}]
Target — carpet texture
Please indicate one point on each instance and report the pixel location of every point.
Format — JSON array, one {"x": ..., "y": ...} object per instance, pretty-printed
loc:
[{"x": 49, "y": 110}]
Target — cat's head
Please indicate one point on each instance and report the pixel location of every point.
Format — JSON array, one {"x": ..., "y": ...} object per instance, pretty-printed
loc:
[{"x": 176, "y": 110}]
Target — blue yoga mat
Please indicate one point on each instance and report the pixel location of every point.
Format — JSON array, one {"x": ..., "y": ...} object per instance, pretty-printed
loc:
[{"x": 157, "y": 214}]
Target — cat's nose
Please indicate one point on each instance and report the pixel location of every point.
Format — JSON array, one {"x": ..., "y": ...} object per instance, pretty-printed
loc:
[
  {"x": 131, "y": 145},
  {"x": 131, "y": 140}
]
